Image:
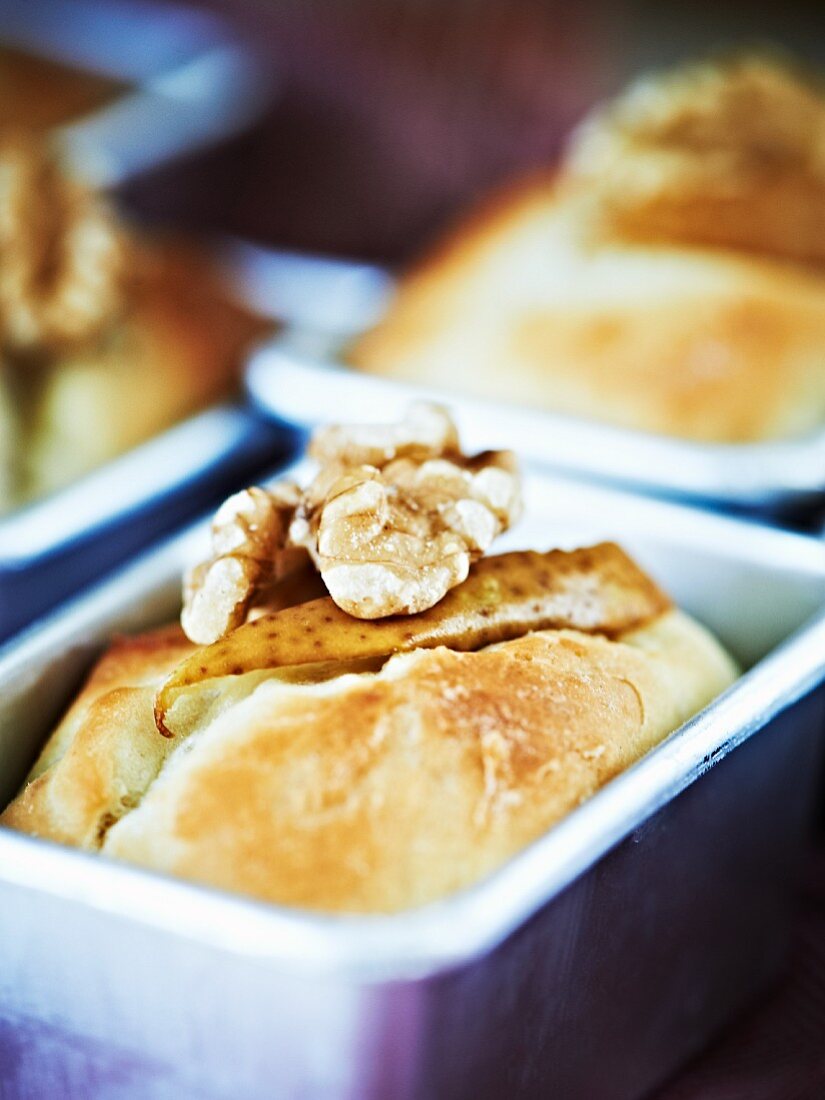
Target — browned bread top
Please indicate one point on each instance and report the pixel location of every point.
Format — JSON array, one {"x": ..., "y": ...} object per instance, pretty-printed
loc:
[
  {"x": 669, "y": 279},
  {"x": 365, "y": 792}
]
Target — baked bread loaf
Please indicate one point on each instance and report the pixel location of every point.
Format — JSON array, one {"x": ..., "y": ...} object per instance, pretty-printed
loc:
[
  {"x": 369, "y": 792},
  {"x": 177, "y": 347},
  {"x": 669, "y": 277},
  {"x": 374, "y": 745},
  {"x": 106, "y": 750},
  {"x": 106, "y": 335}
]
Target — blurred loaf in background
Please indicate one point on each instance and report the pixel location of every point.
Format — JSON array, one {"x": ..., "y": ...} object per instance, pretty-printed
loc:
[
  {"x": 395, "y": 118},
  {"x": 668, "y": 276},
  {"x": 107, "y": 334}
]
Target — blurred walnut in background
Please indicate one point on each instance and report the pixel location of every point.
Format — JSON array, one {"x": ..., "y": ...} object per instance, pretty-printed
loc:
[
  {"x": 729, "y": 154},
  {"x": 62, "y": 254},
  {"x": 107, "y": 334}
]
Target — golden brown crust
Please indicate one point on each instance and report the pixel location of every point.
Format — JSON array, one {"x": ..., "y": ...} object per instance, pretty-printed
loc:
[
  {"x": 653, "y": 284},
  {"x": 178, "y": 347},
  {"x": 180, "y": 301},
  {"x": 106, "y": 751},
  {"x": 377, "y": 793},
  {"x": 667, "y": 339},
  {"x": 365, "y": 793}
]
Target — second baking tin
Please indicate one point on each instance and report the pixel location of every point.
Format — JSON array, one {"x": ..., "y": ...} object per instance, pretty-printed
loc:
[
  {"x": 53, "y": 547},
  {"x": 303, "y": 375},
  {"x": 589, "y": 967},
  {"x": 184, "y": 83},
  {"x": 187, "y": 82}
]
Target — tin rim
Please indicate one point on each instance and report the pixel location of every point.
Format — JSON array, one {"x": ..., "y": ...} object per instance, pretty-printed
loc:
[{"x": 465, "y": 925}]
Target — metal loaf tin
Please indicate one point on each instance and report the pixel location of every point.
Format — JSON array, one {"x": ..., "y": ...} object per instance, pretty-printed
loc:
[
  {"x": 302, "y": 375},
  {"x": 53, "y": 547},
  {"x": 188, "y": 84},
  {"x": 590, "y": 966}
]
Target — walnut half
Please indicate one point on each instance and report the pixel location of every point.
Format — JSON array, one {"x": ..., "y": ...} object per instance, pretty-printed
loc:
[
  {"x": 62, "y": 255},
  {"x": 248, "y": 533},
  {"x": 393, "y": 520},
  {"x": 394, "y": 541}
]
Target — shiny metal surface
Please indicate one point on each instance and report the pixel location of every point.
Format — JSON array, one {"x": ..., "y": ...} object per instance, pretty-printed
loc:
[
  {"x": 192, "y": 85},
  {"x": 189, "y": 85},
  {"x": 52, "y": 547},
  {"x": 299, "y": 377},
  {"x": 589, "y": 966}
]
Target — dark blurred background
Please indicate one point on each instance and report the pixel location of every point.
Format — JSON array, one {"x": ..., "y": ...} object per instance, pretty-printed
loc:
[{"x": 392, "y": 114}]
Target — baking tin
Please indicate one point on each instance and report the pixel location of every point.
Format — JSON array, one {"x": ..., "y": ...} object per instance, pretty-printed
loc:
[
  {"x": 188, "y": 85},
  {"x": 590, "y": 966},
  {"x": 326, "y": 295},
  {"x": 302, "y": 375},
  {"x": 55, "y": 546}
]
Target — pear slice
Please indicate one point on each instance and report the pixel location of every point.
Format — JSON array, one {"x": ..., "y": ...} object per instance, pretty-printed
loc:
[{"x": 599, "y": 590}]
